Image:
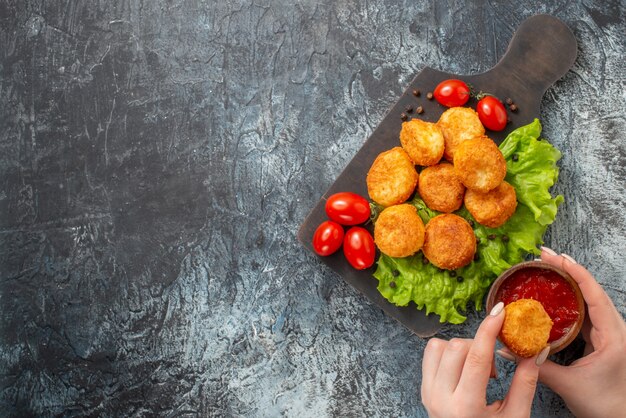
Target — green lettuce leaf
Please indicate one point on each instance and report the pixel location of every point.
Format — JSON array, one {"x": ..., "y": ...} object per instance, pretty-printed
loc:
[
  {"x": 531, "y": 170},
  {"x": 534, "y": 172}
]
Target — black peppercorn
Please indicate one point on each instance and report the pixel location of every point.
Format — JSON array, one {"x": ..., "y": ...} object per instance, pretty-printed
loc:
[
  {"x": 460, "y": 279},
  {"x": 408, "y": 108},
  {"x": 429, "y": 96},
  {"x": 513, "y": 107},
  {"x": 515, "y": 157},
  {"x": 452, "y": 273},
  {"x": 395, "y": 273},
  {"x": 505, "y": 238},
  {"x": 491, "y": 236},
  {"x": 392, "y": 285},
  {"x": 403, "y": 116},
  {"x": 419, "y": 110},
  {"x": 416, "y": 93},
  {"x": 509, "y": 101}
]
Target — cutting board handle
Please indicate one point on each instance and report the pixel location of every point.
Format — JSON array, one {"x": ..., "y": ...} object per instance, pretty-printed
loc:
[{"x": 541, "y": 51}]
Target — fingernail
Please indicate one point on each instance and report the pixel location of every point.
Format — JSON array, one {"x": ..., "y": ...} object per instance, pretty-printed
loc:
[
  {"x": 548, "y": 250},
  {"x": 542, "y": 357},
  {"x": 505, "y": 355},
  {"x": 570, "y": 259},
  {"x": 497, "y": 309}
]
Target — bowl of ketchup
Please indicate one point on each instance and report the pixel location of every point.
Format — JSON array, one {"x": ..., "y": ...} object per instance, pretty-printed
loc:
[{"x": 556, "y": 290}]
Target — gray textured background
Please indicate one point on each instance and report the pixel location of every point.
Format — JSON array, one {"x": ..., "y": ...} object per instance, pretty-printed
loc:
[{"x": 157, "y": 158}]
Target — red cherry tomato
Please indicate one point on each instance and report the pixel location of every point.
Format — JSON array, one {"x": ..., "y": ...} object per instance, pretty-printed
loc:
[
  {"x": 359, "y": 248},
  {"x": 492, "y": 113},
  {"x": 348, "y": 208},
  {"x": 327, "y": 238},
  {"x": 452, "y": 93}
]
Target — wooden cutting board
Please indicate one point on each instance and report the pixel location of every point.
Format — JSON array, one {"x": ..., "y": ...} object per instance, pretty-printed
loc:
[{"x": 541, "y": 51}]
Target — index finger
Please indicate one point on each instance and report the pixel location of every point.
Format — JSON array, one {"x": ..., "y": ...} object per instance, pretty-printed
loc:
[
  {"x": 602, "y": 313},
  {"x": 477, "y": 368}
]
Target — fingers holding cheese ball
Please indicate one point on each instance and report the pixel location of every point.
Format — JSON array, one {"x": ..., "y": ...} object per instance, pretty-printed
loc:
[{"x": 526, "y": 327}]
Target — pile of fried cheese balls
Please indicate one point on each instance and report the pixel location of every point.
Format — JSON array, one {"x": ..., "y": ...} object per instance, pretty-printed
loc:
[{"x": 460, "y": 165}]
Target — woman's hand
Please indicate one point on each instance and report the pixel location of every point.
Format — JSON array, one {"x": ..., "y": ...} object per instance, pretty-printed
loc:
[
  {"x": 455, "y": 374},
  {"x": 594, "y": 385}
]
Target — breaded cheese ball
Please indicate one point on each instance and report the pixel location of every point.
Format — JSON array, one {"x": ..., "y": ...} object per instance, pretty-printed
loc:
[
  {"x": 493, "y": 208},
  {"x": 526, "y": 327},
  {"x": 458, "y": 124},
  {"x": 399, "y": 231},
  {"x": 479, "y": 164},
  {"x": 392, "y": 178},
  {"x": 440, "y": 188},
  {"x": 423, "y": 141},
  {"x": 449, "y": 241}
]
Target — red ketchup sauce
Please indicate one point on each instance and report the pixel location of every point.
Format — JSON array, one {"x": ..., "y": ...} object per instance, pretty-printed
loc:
[{"x": 548, "y": 288}]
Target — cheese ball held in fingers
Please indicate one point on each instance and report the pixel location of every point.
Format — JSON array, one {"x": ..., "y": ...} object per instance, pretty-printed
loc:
[
  {"x": 458, "y": 124},
  {"x": 399, "y": 231},
  {"x": 526, "y": 327},
  {"x": 392, "y": 178},
  {"x": 449, "y": 242},
  {"x": 479, "y": 164},
  {"x": 440, "y": 188},
  {"x": 423, "y": 141},
  {"x": 493, "y": 208}
]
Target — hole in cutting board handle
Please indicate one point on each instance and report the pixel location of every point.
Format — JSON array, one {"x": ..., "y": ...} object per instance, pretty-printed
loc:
[{"x": 541, "y": 51}]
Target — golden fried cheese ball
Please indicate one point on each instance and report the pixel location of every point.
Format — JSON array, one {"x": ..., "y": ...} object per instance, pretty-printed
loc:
[
  {"x": 449, "y": 241},
  {"x": 479, "y": 164},
  {"x": 399, "y": 231},
  {"x": 493, "y": 208},
  {"x": 459, "y": 124},
  {"x": 526, "y": 327},
  {"x": 392, "y": 177},
  {"x": 423, "y": 141},
  {"x": 440, "y": 188}
]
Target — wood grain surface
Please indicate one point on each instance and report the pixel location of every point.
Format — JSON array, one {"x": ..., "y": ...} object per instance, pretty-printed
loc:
[{"x": 158, "y": 157}]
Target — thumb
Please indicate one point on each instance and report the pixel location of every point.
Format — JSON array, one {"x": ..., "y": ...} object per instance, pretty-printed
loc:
[
  {"x": 555, "y": 376},
  {"x": 523, "y": 386}
]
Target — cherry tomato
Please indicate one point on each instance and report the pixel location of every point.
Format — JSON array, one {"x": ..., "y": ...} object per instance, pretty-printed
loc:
[
  {"x": 327, "y": 238},
  {"x": 348, "y": 208},
  {"x": 492, "y": 113},
  {"x": 452, "y": 93},
  {"x": 359, "y": 248}
]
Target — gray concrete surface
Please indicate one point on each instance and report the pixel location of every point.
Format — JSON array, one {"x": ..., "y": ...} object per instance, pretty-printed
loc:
[{"x": 157, "y": 158}]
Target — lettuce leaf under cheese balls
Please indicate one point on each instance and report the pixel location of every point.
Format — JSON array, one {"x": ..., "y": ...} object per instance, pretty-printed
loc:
[{"x": 532, "y": 171}]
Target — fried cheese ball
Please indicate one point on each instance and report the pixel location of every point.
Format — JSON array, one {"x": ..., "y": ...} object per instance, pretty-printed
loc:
[
  {"x": 449, "y": 241},
  {"x": 526, "y": 327},
  {"x": 459, "y": 124},
  {"x": 493, "y": 208},
  {"x": 479, "y": 164},
  {"x": 392, "y": 178},
  {"x": 399, "y": 231},
  {"x": 440, "y": 188},
  {"x": 423, "y": 141}
]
